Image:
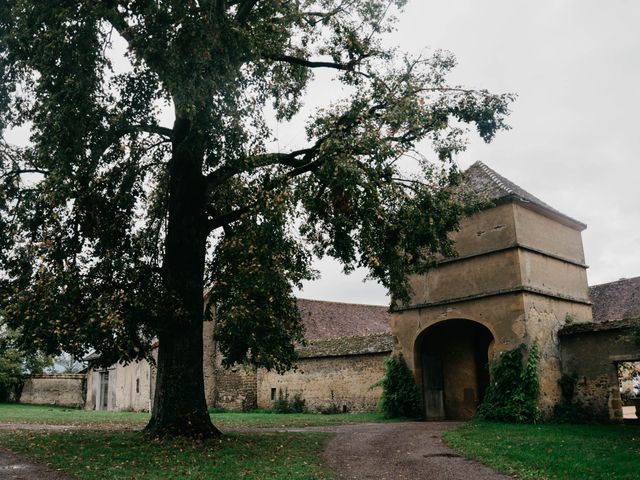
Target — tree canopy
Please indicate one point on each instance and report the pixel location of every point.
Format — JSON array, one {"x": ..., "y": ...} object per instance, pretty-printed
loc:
[{"x": 114, "y": 222}]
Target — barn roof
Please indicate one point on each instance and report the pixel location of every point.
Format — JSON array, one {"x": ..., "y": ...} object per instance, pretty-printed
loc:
[
  {"x": 345, "y": 346},
  {"x": 487, "y": 186},
  {"x": 619, "y": 300},
  {"x": 324, "y": 320}
]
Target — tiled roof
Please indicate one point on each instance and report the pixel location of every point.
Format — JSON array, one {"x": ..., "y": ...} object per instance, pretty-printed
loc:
[
  {"x": 617, "y": 300},
  {"x": 325, "y": 320},
  {"x": 344, "y": 346},
  {"x": 485, "y": 185},
  {"x": 589, "y": 327}
]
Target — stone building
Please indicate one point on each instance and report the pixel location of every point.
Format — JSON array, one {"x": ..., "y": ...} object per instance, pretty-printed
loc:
[
  {"x": 347, "y": 346},
  {"x": 120, "y": 387},
  {"x": 519, "y": 273},
  {"x": 594, "y": 351}
]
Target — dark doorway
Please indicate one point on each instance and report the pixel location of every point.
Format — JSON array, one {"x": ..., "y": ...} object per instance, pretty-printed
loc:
[
  {"x": 104, "y": 391},
  {"x": 453, "y": 358}
]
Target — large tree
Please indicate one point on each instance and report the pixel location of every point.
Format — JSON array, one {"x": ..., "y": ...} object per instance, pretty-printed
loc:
[{"x": 113, "y": 224}]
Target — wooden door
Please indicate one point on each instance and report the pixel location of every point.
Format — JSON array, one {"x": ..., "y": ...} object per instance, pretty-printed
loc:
[{"x": 433, "y": 386}]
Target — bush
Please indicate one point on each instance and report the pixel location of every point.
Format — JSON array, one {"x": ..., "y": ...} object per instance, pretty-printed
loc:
[
  {"x": 295, "y": 405},
  {"x": 513, "y": 393},
  {"x": 400, "y": 397}
]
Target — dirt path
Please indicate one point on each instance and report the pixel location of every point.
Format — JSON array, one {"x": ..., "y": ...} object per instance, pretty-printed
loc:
[
  {"x": 389, "y": 451},
  {"x": 17, "y": 467}
]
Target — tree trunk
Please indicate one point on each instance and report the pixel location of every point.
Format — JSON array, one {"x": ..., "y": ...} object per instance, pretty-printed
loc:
[{"x": 179, "y": 406}]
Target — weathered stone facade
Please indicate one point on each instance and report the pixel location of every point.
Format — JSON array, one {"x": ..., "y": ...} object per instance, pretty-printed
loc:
[
  {"x": 332, "y": 375},
  {"x": 592, "y": 352},
  {"x": 62, "y": 389},
  {"x": 121, "y": 387},
  {"x": 519, "y": 273}
]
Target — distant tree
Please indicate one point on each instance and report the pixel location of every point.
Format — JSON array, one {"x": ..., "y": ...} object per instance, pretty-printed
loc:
[
  {"x": 113, "y": 224},
  {"x": 15, "y": 364}
]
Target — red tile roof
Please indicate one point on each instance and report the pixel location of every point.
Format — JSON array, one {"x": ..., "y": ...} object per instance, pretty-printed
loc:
[
  {"x": 324, "y": 320},
  {"x": 618, "y": 300}
]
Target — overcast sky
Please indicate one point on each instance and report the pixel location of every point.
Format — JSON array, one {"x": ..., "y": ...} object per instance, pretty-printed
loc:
[{"x": 575, "y": 139}]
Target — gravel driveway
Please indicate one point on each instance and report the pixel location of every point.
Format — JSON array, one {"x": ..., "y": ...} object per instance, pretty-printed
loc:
[{"x": 390, "y": 451}]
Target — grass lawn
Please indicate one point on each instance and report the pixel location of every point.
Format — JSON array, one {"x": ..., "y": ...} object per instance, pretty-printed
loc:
[
  {"x": 93, "y": 455},
  {"x": 550, "y": 451},
  {"x": 102, "y": 450},
  {"x": 16, "y": 413}
]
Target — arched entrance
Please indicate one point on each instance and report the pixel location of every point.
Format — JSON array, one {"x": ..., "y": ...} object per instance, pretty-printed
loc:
[{"x": 452, "y": 368}]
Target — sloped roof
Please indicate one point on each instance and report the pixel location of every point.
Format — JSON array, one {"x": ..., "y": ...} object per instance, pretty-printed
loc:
[
  {"x": 487, "y": 186},
  {"x": 619, "y": 300},
  {"x": 324, "y": 320},
  {"x": 343, "y": 346}
]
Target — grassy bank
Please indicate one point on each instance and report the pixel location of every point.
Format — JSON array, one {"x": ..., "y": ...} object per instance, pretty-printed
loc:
[
  {"x": 36, "y": 414},
  {"x": 551, "y": 451},
  {"x": 93, "y": 455}
]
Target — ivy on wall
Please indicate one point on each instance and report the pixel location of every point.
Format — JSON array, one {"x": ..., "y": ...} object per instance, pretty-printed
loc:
[{"x": 515, "y": 386}]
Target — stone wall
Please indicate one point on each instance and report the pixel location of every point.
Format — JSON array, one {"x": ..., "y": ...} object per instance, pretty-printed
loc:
[
  {"x": 338, "y": 383},
  {"x": 234, "y": 388},
  {"x": 592, "y": 352},
  {"x": 67, "y": 390},
  {"x": 544, "y": 316}
]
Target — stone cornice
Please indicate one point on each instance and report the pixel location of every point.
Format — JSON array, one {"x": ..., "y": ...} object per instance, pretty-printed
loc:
[
  {"x": 512, "y": 246},
  {"x": 506, "y": 291}
]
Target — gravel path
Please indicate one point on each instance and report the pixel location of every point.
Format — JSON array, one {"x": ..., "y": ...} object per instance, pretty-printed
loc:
[
  {"x": 390, "y": 451},
  {"x": 16, "y": 467}
]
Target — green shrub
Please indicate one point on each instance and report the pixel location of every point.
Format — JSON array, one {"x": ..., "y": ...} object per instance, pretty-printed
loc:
[
  {"x": 296, "y": 405},
  {"x": 515, "y": 386},
  {"x": 400, "y": 397}
]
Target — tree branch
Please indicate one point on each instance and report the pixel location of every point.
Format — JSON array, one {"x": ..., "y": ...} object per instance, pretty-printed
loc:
[
  {"x": 244, "y": 10},
  {"x": 314, "y": 64},
  {"x": 221, "y": 175},
  {"x": 155, "y": 129}
]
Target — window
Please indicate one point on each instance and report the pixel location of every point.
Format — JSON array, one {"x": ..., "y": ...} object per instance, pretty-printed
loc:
[
  {"x": 273, "y": 394},
  {"x": 137, "y": 385}
]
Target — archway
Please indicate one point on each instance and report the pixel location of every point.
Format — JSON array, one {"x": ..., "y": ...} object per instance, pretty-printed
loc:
[{"x": 452, "y": 368}]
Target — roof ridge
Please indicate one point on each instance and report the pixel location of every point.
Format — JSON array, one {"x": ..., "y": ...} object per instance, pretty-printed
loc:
[
  {"x": 620, "y": 280},
  {"x": 495, "y": 177},
  {"x": 342, "y": 303}
]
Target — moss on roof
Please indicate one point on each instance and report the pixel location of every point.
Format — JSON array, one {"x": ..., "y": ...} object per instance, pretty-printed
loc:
[
  {"x": 587, "y": 327},
  {"x": 345, "y": 346}
]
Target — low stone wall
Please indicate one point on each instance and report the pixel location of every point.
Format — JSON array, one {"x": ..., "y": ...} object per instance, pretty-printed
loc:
[
  {"x": 327, "y": 384},
  {"x": 331, "y": 375},
  {"x": 592, "y": 352},
  {"x": 68, "y": 390}
]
